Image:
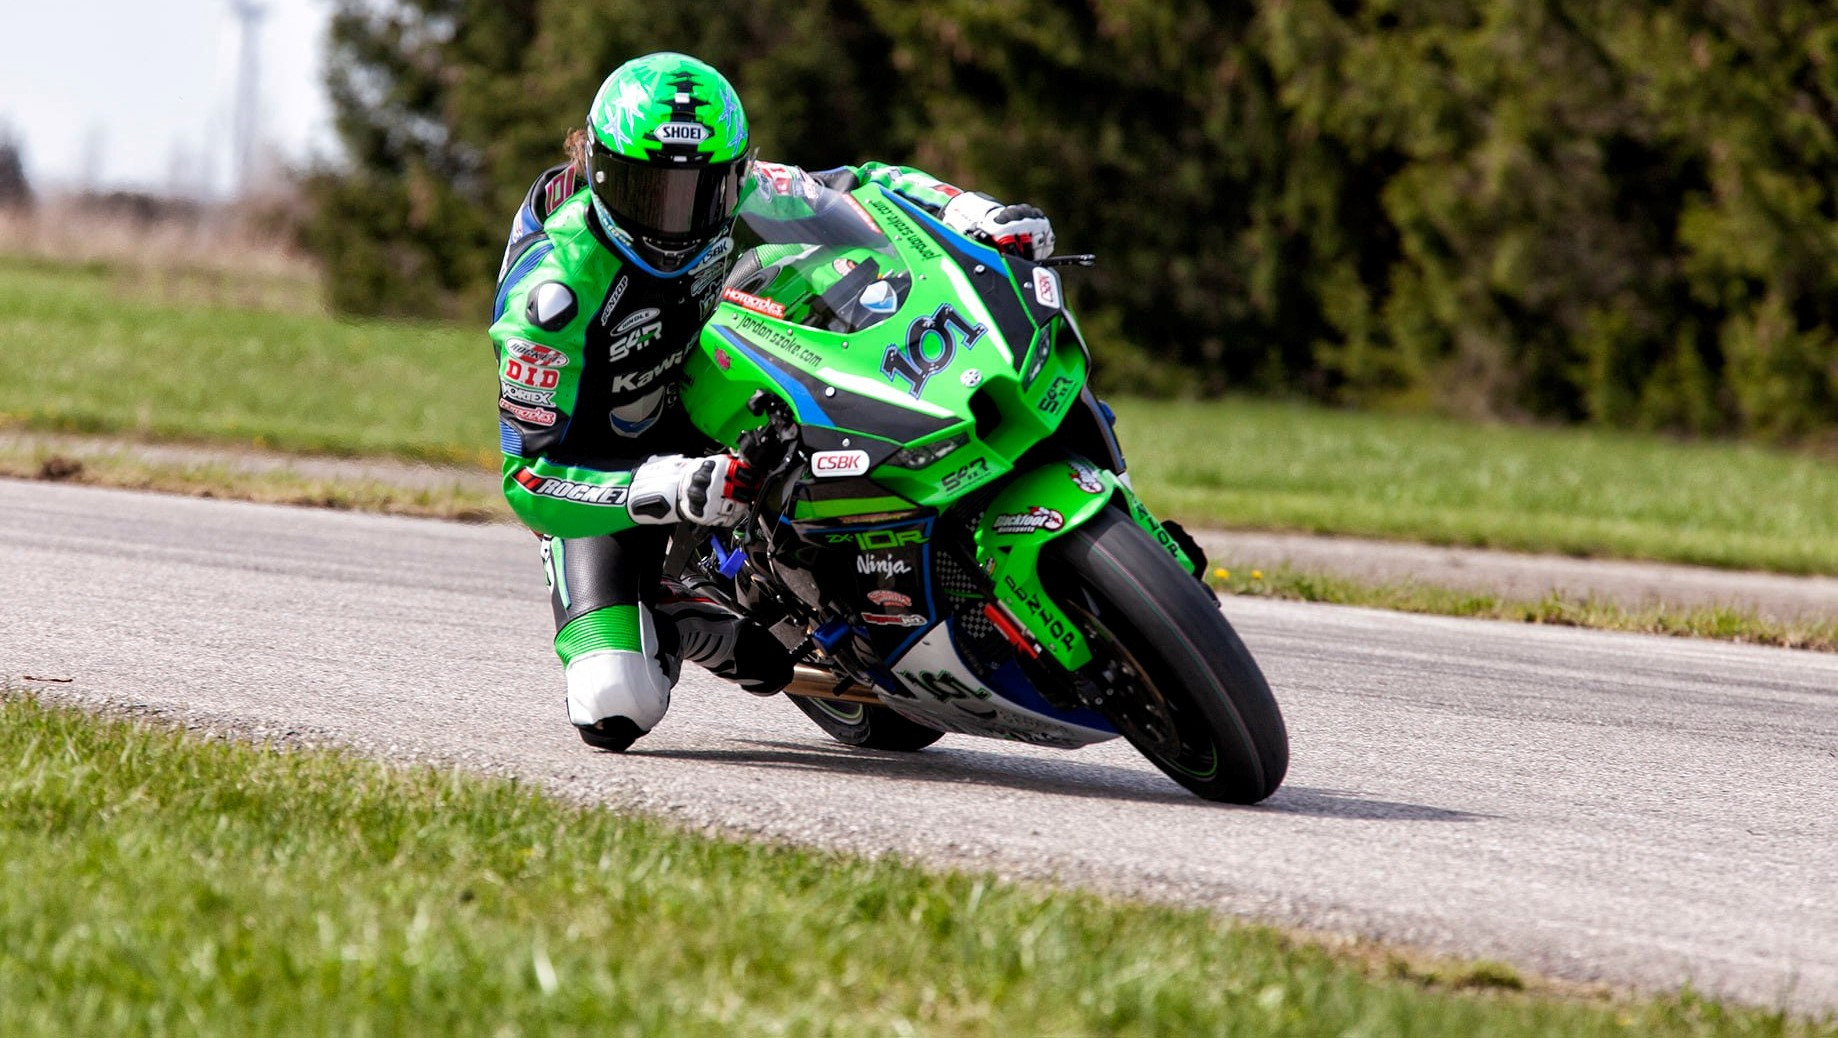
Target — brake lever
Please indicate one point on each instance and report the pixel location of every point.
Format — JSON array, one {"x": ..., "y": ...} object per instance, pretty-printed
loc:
[
  {"x": 1077, "y": 259},
  {"x": 772, "y": 448}
]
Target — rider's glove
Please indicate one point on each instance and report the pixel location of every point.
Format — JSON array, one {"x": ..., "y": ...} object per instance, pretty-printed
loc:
[
  {"x": 1022, "y": 230},
  {"x": 712, "y": 491}
]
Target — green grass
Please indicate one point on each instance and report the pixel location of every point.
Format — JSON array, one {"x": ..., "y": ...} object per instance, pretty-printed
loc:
[
  {"x": 152, "y": 883},
  {"x": 96, "y": 358},
  {"x": 1717, "y": 622},
  {"x": 1252, "y": 464},
  {"x": 105, "y": 360}
]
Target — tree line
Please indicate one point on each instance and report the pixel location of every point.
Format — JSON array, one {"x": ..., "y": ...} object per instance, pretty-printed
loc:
[{"x": 1617, "y": 212}]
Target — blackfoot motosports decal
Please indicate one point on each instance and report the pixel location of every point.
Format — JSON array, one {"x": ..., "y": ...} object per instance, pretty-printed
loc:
[{"x": 1033, "y": 520}]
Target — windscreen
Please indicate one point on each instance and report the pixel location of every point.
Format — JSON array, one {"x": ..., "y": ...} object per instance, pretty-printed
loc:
[{"x": 818, "y": 254}]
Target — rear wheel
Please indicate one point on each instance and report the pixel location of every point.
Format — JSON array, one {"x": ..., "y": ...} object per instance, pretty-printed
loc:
[
  {"x": 870, "y": 727},
  {"x": 1176, "y": 679}
]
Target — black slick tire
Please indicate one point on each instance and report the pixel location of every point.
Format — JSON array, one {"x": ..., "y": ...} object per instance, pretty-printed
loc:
[{"x": 1184, "y": 690}]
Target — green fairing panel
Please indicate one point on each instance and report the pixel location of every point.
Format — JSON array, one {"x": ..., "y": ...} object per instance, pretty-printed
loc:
[
  {"x": 929, "y": 364},
  {"x": 1033, "y": 510},
  {"x": 1038, "y": 507},
  {"x": 1153, "y": 527},
  {"x": 559, "y": 500}
]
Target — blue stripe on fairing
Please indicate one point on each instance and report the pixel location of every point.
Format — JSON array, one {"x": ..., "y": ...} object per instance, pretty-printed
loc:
[
  {"x": 982, "y": 253},
  {"x": 510, "y": 439},
  {"x": 1011, "y": 683},
  {"x": 806, "y": 405},
  {"x": 524, "y": 266}
]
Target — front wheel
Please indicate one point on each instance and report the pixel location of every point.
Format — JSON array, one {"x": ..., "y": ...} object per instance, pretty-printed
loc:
[{"x": 1176, "y": 679}]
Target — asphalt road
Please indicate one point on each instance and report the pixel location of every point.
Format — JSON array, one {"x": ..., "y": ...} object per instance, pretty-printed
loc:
[{"x": 1603, "y": 807}]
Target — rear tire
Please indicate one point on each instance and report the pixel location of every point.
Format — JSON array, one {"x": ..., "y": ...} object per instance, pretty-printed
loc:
[
  {"x": 1184, "y": 689},
  {"x": 866, "y": 726}
]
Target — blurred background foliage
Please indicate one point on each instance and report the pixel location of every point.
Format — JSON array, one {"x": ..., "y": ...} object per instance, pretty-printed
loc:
[{"x": 1607, "y": 211}]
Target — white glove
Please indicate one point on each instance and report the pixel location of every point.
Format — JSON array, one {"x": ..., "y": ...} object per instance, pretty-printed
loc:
[
  {"x": 1021, "y": 230},
  {"x": 711, "y": 491}
]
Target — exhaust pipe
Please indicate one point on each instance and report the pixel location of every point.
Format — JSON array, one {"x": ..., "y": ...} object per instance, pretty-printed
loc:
[{"x": 817, "y": 683}]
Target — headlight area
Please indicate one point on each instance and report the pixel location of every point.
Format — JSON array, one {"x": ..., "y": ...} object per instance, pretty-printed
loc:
[{"x": 915, "y": 458}]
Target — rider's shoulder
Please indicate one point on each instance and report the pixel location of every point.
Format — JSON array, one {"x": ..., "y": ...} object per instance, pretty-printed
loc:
[
  {"x": 552, "y": 190},
  {"x": 568, "y": 230}
]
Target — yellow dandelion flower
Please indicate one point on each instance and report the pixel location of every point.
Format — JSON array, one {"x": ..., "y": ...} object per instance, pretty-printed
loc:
[{"x": 1257, "y": 574}]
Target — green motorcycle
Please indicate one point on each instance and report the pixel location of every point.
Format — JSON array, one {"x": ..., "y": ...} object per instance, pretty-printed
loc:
[{"x": 944, "y": 525}]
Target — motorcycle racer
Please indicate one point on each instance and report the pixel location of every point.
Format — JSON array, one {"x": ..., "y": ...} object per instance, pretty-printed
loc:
[{"x": 615, "y": 261}]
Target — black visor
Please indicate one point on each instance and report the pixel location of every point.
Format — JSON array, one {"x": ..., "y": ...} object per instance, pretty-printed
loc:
[{"x": 672, "y": 202}]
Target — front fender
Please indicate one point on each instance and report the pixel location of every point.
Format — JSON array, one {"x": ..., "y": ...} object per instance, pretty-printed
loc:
[
  {"x": 1030, "y": 512},
  {"x": 1035, "y": 508}
]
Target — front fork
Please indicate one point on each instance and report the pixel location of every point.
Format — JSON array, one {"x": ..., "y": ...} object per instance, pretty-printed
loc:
[{"x": 1030, "y": 512}]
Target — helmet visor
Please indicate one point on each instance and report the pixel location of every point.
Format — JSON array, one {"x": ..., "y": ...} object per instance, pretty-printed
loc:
[{"x": 675, "y": 202}]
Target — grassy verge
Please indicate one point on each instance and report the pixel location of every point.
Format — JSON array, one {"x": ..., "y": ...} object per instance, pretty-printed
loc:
[
  {"x": 1722, "y": 624},
  {"x": 154, "y": 368},
  {"x": 153, "y": 883},
  {"x": 1253, "y": 464},
  {"x": 472, "y": 501},
  {"x": 114, "y": 363}
]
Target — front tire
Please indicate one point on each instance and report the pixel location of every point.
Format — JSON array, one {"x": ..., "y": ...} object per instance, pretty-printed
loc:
[
  {"x": 869, "y": 727},
  {"x": 1180, "y": 685}
]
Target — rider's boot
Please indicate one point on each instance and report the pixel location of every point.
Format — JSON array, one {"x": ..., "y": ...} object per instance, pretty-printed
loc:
[{"x": 729, "y": 645}]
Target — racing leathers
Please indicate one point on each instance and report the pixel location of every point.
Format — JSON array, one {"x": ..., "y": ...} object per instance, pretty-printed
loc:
[{"x": 589, "y": 340}]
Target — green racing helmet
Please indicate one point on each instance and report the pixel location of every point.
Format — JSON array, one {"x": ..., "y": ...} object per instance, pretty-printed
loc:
[{"x": 667, "y": 155}]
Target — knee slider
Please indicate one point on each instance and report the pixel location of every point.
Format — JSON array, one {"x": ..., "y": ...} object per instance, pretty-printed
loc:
[{"x": 613, "y": 668}]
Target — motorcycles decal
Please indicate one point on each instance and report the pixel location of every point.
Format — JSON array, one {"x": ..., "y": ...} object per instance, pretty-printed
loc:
[
  {"x": 830, "y": 464},
  {"x": 941, "y": 690},
  {"x": 918, "y": 361},
  {"x": 890, "y": 566},
  {"x": 877, "y": 539},
  {"x": 1046, "y": 287},
  {"x": 897, "y": 226},
  {"x": 779, "y": 339},
  {"x": 533, "y": 397},
  {"x": 966, "y": 476},
  {"x": 1086, "y": 478},
  {"x": 534, "y": 415},
  {"x": 526, "y": 374},
  {"x": 993, "y": 287},
  {"x": 1058, "y": 394},
  {"x": 895, "y": 619},
  {"x": 844, "y": 409},
  {"x": 569, "y": 489},
  {"x": 754, "y": 303},
  {"x": 612, "y": 299},
  {"x": 882, "y": 565},
  {"x": 1033, "y": 520},
  {"x": 536, "y": 354}
]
